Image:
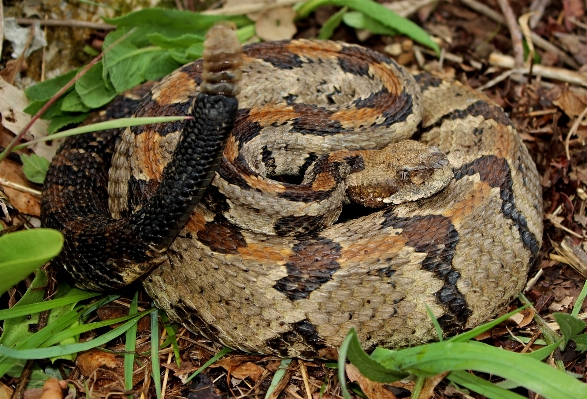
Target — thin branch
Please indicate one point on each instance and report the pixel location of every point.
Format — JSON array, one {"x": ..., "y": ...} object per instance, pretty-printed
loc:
[
  {"x": 573, "y": 130},
  {"x": 515, "y": 32},
  {"x": 71, "y": 23}
]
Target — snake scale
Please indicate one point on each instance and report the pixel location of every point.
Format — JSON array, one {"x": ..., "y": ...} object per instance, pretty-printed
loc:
[{"x": 315, "y": 213}]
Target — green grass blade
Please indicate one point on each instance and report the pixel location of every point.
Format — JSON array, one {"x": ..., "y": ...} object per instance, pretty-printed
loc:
[
  {"x": 155, "y": 366},
  {"x": 214, "y": 358},
  {"x": 333, "y": 22},
  {"x": 111, "y": 124},
  {"x": 277, "y": 376},
  {"x": 47, "y": 305},
  {"x": 481, "y": 386},
  {"x": 54, "y": 351},
  {"x": 484, "y": 327},
  {"x": 130, "y": 346},
  {"x": 78, "y": 330}
]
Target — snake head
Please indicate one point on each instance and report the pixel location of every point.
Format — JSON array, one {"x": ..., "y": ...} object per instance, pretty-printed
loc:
[{"x": 401, "y": 172}]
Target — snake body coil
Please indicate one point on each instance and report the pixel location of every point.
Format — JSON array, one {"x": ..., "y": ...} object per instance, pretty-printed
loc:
[{"x": 271, "y": 260}]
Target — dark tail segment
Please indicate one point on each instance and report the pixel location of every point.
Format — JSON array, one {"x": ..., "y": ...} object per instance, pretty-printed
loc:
[{"x": 102, "y": 253}]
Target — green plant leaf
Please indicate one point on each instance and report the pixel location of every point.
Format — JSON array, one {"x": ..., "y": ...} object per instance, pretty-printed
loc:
[
  {"x": 174, "y": 42},
  {"x": 223, "y": 351},
  {"x": 436, "y": 358},
  {"x": 581, "y": 341},
  {"x": 277, "y": 376},
  {"x": 23, "y": 252},
  {"x": 74, "y": 295},
  {"x": 72, "y": 102},
  {"x": 377, "y": 12},
  {"x": 59, "y": 122},
  {"x": 93, "y": 89},
  {"x": 570, "y": 326},
  {"x": 34, "y": 167},
  {"x": 45, "y": 90}
]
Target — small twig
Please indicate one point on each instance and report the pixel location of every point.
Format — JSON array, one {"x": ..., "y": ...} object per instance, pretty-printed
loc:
[
  {"x": 21, "y": 188},
  {"x": 539, "y": 41},
  {"x": 538, "y": 7},
  {"x": 305, "y": 378},
  {"x": 1, "y": 24},
  {"x": 249, "y": 8},
  {"x": 15, "y": 141},
  {"x": 562, "y": 74},
  {"x": 71, "y": 23},
  {"x": 573, "y": 130},
  {"x": 515, "y": 32}
]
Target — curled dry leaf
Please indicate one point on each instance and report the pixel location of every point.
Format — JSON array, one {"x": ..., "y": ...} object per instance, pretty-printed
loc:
[
  {"x": 25, "y": 203},
  {"x": 572, "y": 101},
  {"x": 523, "y": 318},
  {"x": 240, "y": 369},
  {"x": 53, "y": 389},
  {"x": 373, "y": 390},
  {"x": 276, "y": 24}
]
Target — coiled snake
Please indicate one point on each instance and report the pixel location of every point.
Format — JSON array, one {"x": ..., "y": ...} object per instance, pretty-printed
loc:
[{"x": 265, "y": 261}]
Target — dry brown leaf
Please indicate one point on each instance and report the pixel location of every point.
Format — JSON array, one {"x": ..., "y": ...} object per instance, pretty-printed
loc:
[
  {"x": 24, "y": 202},
  {"x": 12, "y": 103},
  {"x": 5, "y": 392},
  {"x": 572, "y": 101},
  {"x": 373, "y": 390},
  {"x": 276, "y": 24},
  {"x": 90, "y": 361},
  {"x": 240, "y": 369},
  {"x": 523, "y": 318},
  {"x": 53, "y": 389}
]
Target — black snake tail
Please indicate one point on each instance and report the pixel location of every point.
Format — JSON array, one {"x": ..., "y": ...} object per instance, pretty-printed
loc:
[{"x": 101, "y": 252}]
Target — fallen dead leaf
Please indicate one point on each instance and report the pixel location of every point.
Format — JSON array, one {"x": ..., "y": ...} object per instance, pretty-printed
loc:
[
  {"x": 53, "y": 389},
  {"x": 12, "y": 103},
  {"x": 5, "y": 392},
  {"x": 276, "y": 24},
  {"x": 523, "y": 318},
  {"x": 24, "y": 202},
  {"x": 572, "y": 101},
  {"x": 373, "y": 390},
  {"x": 240, "y": 369},
  {"x": 90, "y": 361}
]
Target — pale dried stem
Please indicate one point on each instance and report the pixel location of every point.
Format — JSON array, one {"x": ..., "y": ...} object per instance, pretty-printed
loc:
[
  {"x": 515, "y": 32},
  {"x": 573, "y": 130},
  {"x": 249, "y": 8},
  {"x": 19, "y": 187},
  {"x": 561, "y": 74}
]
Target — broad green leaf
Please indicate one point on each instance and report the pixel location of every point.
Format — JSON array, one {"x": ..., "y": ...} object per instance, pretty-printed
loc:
[
  {"x": 23, "y": 252},
  {"x": 161, "y": 65},
  {"x": 174, "y": 42},
  {"x": 93, "y": 90},
  {"x": 581, "y": 341},
  {"x": 45, "y": 90},
  {"x": 171, "y": 23},
  {"x": 570, "y": 326},
  {"x": 72, "y": 102},
  {"x": 59, "y": 122},
  {"x": 34, "y": 167}
]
